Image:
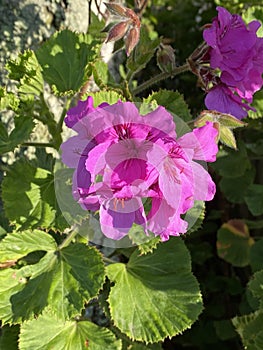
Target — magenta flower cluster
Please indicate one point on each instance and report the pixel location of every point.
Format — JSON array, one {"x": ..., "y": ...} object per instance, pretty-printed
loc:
[
  {"x": 237, "y": 52},
  {"x": 133, "y": 170}
]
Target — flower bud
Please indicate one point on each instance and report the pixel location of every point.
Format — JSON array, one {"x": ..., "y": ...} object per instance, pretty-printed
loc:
[
  {"x": 116, "y": 9},
  {"x": 166, "y": 58},
  {"x": 118, "y": 31},
  {"x": 132, "y": 39}
]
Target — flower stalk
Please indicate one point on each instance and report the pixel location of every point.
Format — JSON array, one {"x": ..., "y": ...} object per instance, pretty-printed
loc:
[{"x": 162, "y": 76}]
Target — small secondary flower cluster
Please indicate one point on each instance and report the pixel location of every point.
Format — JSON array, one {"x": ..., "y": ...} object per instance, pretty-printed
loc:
[
  {"x": 233, "y": 48},
  {"x": 133, "y": 169}
]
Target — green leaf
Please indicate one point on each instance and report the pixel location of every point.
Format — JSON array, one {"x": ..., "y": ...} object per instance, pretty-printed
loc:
[
  {"x": 48, "y": 333},
  {"x": 235, "y": 188},
  {"x": 8, "y": 100},
  {"x": 256, "y": 254},
  {"x": 18, "y": 244},
  {"x": 110, "y": 97},
  {"x": 146, "y": 244},
  {"x": 27, "y": 71},
  {"x": 226, "y": 136},
  {"x": 249, "y": 327},
  {"x": 64, "y": 58},
  {"x": 62, "y": 279},
  {"x": 37, "y": 204},
  {"x": 234, "y": 243},
  {"x": 9, "y": 286},
  {"x": 155, "y": 295},
  {"x": 256, "y": 286},
  {"x": 173, "y": 101},
  {"x": 101, "y": 74},
  {"x": 9, "y": 337},
  {"x": 195, "y": 216},
  {"x": 232, "y": 163},
  {"x": 143, "y": 51},
  {"x": 23, "y": 128},
  {"x": 254, "y": 199}
]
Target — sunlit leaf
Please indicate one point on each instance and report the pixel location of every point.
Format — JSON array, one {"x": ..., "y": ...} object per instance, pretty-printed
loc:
[
  {"x": 173, "y": 101},
  {"x": 48, "y": 333},
  {"x": 27, "y": 71},
  {"x": 18, "y": 244},
  {"x": 67, "y": 52},
  {"x": 63, "y": 279},
  {"x": 155, "y": 295}
]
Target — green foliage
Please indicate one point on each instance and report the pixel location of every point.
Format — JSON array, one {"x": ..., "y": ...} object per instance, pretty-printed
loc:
[
  {"x": 254, "y": 199},
  {"x": 27, "y": 71},
  {"x": 67, "y": 52},
  {"x": 55, "y": 290},
  {"x": 37, "y": 205},
  {"x": 256, "y": 252},
  {"x": 8, "y": 100},
  {"x": 110, "y": 96},
  {"x": 164, "y": 294},
  {"x": 21, "y": 132},
  {"x": 63, "y": 279},
  {"x": 9, "y": 337},
  {"x": 250, "y": 330},
  {"x": 143, "y": 51},
  {"x": 46, "y": 332},
  {"x": 173, "y": 101},
  {"x": 234, "y": 243}
]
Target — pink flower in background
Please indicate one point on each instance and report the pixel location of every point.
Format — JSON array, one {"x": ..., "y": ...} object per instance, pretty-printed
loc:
[
  {"x": 235, "y": 56},
  {"x": 236, "y": 50},
  {"x": 223, "y": 99},
  {"x": 121, "y": 158}
]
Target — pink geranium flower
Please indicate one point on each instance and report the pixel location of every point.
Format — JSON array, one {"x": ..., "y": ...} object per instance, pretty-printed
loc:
[
  {"x": 128, "y": 158},
  {"x": 235, "y": 56}
]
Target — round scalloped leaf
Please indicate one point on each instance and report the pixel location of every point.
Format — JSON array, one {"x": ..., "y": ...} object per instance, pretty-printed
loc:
[
  {"x": 155, "y": 295},
  {"x": 234, "y": 243},
  {"x": 46, "y": 332},
  {"x": 254, "y": 199},
  {"x": 62, "y": 279},
  {"x": 249, "y": 327},
  {"x": 64, "y": 58}
]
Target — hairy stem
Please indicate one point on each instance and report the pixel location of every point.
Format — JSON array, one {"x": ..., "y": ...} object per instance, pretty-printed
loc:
[
  {"x": 68, "y": 239},
  {"x": 109, "y": 261},
  {"x": 160, "y": 77},
  {"x": 38, "y": 144}
]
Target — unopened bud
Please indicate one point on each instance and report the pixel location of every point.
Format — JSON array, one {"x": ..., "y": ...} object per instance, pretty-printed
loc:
[
  {"x": 166, "y": 58},
  {"x": 118, "y": 31},
  {"x": 132, "y": 39},
  {"x": 116, "y": 9}
]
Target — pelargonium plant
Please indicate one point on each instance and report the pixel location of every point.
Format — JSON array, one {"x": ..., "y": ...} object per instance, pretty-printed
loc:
[
  {"x": 113, "y": 248},
  {"x": 122, "y": 158}
]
